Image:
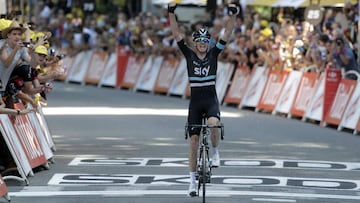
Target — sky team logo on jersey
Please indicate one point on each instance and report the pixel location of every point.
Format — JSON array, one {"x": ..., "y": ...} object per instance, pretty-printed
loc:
[{"x": 202, "y": 71}]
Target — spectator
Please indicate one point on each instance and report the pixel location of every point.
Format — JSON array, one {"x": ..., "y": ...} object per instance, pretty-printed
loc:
[
  {"x": 47, "y": 69},
  {"x": 12, "y": 52},
  {"x": 9, "y": 111},
  {"x": 15, "y": 88},
  {"x": 344, "y": 57},
  {"x": 44, "y": 12}
]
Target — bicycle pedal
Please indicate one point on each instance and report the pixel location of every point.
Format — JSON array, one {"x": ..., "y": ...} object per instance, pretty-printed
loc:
[{"x": 192, "y": 194}]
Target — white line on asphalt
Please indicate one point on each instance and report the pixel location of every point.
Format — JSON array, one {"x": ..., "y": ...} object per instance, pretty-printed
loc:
[
  {"x": 51, "y": 111},
  {"x": 210, "y": 193},
  {"x": 273, "y": 200}
]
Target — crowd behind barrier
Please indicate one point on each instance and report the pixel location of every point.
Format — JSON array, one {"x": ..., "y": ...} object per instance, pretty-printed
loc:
[
  {"x": 283, "y": 66},
  {"x": 327, "y": 97}
]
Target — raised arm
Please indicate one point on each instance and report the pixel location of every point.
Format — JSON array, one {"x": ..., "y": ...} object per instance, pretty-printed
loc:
[
  {"x": 5, "y": 58},
  {"x": 233, "y": 11},
  {"x": 173, "y": 23}
]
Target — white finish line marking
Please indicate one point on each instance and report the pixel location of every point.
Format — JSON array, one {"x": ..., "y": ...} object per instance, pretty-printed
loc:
[
  {"x": 210, "y": 193},
  {"x": 72, "y": 179},
  {"x": 111, "y": 111},
  {"x": 244, "y": 163}
]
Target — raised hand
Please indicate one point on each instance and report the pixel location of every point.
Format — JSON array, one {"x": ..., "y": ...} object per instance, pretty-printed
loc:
[
  {"x": 233, "y": 9},
  {"x": 171, "y": 7}
]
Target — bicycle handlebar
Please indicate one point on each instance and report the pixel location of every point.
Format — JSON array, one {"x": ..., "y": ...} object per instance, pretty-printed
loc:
[{"x": 204, "y": 126}]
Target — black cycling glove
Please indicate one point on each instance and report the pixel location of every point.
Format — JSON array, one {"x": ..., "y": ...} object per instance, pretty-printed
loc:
[
  {"x": 172, "y": 8},
  {"x": 233, "y": 10}
]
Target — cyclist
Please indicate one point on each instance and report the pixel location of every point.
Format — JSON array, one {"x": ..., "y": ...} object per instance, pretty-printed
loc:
[{"x": 202, "y": 68}]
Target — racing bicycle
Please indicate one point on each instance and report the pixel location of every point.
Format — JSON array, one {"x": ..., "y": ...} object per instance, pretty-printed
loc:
[{"x": 204, "y": 165}]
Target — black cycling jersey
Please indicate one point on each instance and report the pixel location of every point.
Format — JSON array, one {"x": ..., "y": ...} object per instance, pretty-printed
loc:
[
  {"x": 201, "y": 72},
  {"x": 20, "y": 75},
  {"x": 26, "y": 72},
  {"x": 202, "y": 79}
]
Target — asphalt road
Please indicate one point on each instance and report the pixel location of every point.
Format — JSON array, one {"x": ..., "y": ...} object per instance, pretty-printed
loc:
[{"x": 117, "y": 145}]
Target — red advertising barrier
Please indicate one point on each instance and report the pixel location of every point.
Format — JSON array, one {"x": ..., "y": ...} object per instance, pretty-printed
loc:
[
  {"x": 149, "y": 73},
  {"x": 288, "y": 92},
  {"x": 44, "y": 126},
  {"x": 255, "y": 87},
  {"x": 3, "y": 189},
  {"x": 304, "y": 94},
  {"x": 223, "y": 76},
  {"x": 122, "y": 59},
  {"x": 324, "y": 95},
  {"x": 166, "y": 74},
  {"x": 28, "y": 139},
  {"x": 41, "y": 136},
  {"x": 79, "y": 67},
  {"x": 273, "y": 87},
  {"x": 238, "y": 85},
  {"x": 332, "y": 80},
  {"x": 351, "y": 116},
  {"x": 96, "y": 67},
  {"x": 133, "y": 69},
  {"x": 109, "y": 76},
  {"x": 180, "y": 81},
  {"x": 341, "y": 100},
  {"x": 14, "y": 145}
]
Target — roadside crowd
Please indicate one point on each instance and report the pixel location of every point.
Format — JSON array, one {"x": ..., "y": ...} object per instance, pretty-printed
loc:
[
  {"x": 27, "y": 69},
  {"x": 286, "y": 42},
  {"x": 31, "y": 52}
]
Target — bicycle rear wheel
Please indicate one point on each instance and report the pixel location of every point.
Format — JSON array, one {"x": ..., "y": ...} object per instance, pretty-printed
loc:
[{"x": 204, "y": 172}]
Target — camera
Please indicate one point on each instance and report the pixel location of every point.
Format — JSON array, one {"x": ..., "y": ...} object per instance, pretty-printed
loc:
[
  {"x": 52, "y": 52},
  {"x": 26, "y": 44},
  {"x": 61, "y": 56}
]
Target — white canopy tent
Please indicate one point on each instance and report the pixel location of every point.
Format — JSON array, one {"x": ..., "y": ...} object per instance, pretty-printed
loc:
[{"x": 298, "y": 3}]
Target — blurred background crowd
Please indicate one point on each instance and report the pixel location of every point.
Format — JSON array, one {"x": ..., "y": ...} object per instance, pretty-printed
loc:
[{"x": 278, "y": 37}]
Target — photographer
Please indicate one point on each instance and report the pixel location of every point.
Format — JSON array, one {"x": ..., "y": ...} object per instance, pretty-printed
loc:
[
  {"x": 49, "y": 67},
  {"x": 344, "y": 57},
  {"x": 13, "y": 52}
]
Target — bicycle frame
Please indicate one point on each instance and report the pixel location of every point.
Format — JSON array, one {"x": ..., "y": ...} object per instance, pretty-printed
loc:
[{"x": 204, "y": 165}]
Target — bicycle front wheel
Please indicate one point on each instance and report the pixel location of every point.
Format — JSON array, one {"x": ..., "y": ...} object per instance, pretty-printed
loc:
[{"x": 204, "y": 172}]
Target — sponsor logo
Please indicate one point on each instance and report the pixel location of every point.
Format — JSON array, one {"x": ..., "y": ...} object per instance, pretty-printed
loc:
[
  {"x": 204, "y": 71},
  {"x": 243, "y": 163},
  {"x": 232, "y": 181}
]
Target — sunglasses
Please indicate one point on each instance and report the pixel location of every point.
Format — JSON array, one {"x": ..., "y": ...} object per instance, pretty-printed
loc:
[{"x": 202, "y": 39}]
